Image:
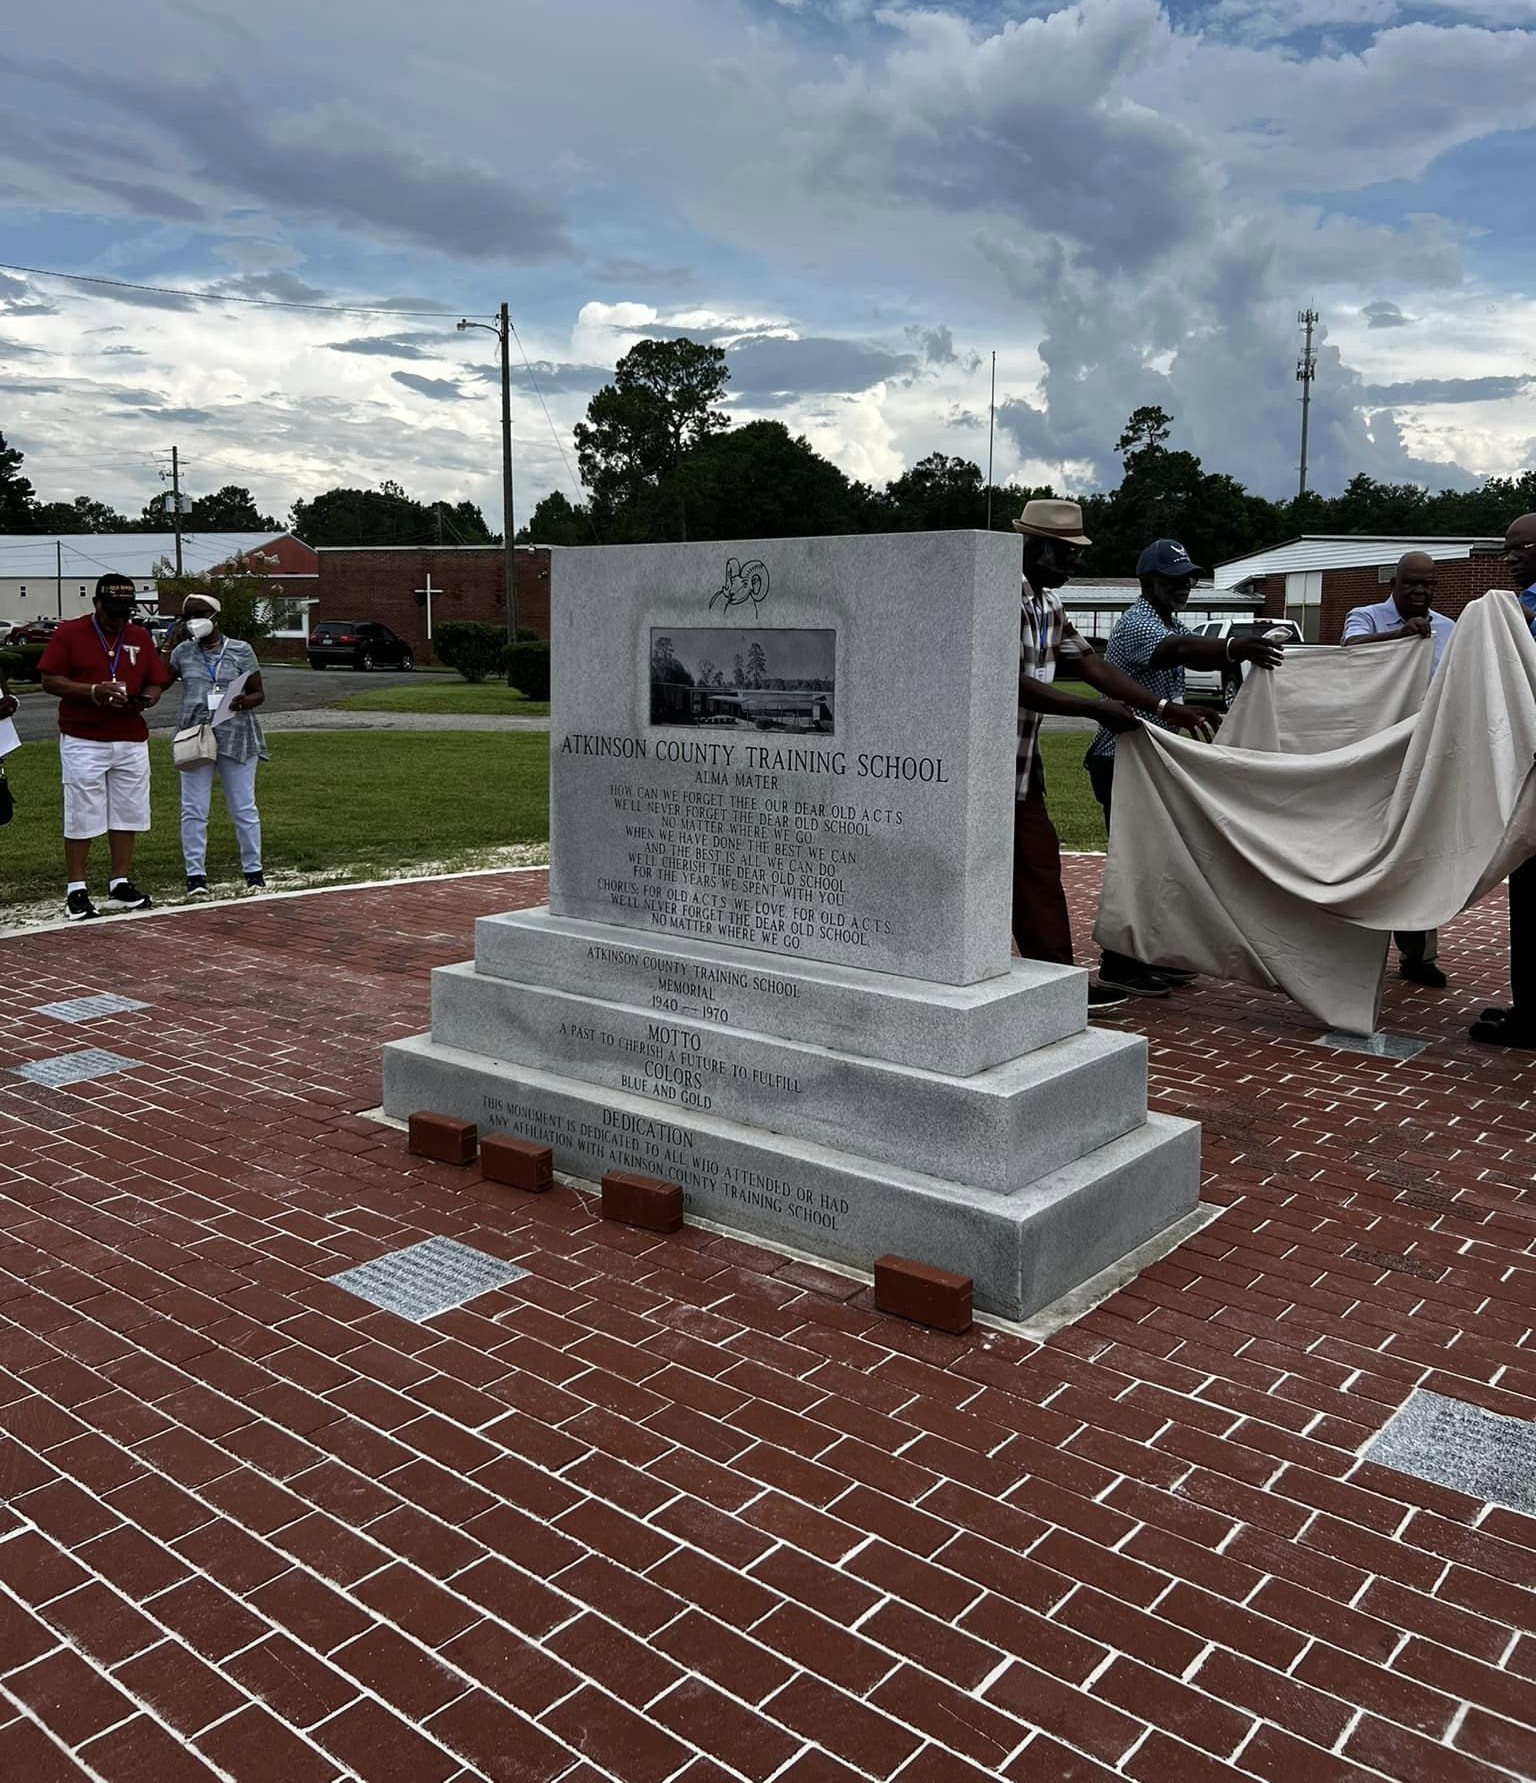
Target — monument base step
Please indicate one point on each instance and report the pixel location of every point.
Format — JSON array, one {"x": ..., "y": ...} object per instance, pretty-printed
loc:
[{"x": 1023, "y": 1249}]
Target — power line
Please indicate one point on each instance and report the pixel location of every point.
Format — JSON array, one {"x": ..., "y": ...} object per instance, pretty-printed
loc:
[{"x": 266, "y": 303}]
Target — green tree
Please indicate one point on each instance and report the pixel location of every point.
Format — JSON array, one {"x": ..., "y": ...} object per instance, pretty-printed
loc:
[
  {"x": 936, "y": 495},
  {"x": 557, "y": 521},
  {"x": 385, "y": 516},
  {"x": 16, "y": 499},
  {"x": 753, "y": 482},
  {"x": 83, "y": 514},
  {"x": 1168, "y": 494},
  {"x": 659, "y": 406},
  {"x": 249, "y": 606},
  {"x": 230, "y": 509}
]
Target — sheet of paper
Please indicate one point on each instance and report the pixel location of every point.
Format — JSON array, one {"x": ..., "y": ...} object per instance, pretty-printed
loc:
[
  {"x": 10, "y": 738},
  {"x": 221, "y": 712}
]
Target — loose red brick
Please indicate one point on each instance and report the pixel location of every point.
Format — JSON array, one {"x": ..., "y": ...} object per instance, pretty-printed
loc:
[
  {"x": 519, "y": 1163},
  {"x": 648, "y": 1202},
  {"x": 938, "y": 1298},
  {"x": 442, "y": 1138}
]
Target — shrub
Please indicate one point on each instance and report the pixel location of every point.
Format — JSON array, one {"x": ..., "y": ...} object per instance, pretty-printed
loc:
[
  {"x": 527, "y": 667},
  {"x": 470, "y": 646},
  {"x": 18, "y": 662}
]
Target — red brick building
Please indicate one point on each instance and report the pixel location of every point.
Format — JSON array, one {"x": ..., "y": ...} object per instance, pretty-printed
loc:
[
  {"x": 400, "y": 586},
  {"x": 1317, "y": 580}
]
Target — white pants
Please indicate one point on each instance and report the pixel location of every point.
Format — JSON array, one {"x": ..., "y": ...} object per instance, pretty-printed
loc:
[
  {"x": 239, "y": 781},
  {"x": 106, "y": 787}
]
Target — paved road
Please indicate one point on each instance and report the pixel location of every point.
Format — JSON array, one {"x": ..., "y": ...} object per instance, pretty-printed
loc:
[
  {"x": 290, "y": 689},
  {"x": 303, "y": 699}
]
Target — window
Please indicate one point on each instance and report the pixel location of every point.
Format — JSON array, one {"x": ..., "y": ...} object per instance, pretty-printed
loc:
[
  {"x": 23, "y": 591},
  {"x": 1304, "y": 603}
]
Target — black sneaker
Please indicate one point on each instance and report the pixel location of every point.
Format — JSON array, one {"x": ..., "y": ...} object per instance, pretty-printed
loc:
[
  {"x": 257, "y": 881},
  {"x": 125, "y": 895},
  {"x": 1134, "y": 981},
  {"x": 1176, "y": 974},
  {"x": 1100, "y": 996},
  {"x": 79, "y": 908},
  {"x": 197, "y": 885},
  {"x": 1423, "y": 972}
]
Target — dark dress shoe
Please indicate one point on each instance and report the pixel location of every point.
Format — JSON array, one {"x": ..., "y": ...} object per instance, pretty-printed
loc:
[
  {"x": 1423, "y": 972},
  {"x": 1508, "y": 1032}
]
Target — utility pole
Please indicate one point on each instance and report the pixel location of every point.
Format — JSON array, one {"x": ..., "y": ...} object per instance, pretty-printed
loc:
[
  {"x": 504, "y": 334},
  {"x": 58, "y": 576},
  {"x": 1306, "y": 371},
  {"x": 502, "y": 329},
  {"x": 991, "y": 421}
]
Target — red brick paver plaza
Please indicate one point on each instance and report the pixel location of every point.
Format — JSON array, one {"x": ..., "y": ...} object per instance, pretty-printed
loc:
[{"x": 677, "y": 1507}]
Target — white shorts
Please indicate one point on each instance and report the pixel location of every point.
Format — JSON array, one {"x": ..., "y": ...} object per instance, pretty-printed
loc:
[{"x": 106, "y": 787}]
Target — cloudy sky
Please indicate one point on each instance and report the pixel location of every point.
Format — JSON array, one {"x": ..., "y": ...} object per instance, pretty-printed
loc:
[{"x": 1127, "y": 201}]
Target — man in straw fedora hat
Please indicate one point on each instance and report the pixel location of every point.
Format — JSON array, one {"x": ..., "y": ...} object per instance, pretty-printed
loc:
[{"x": 1054, "y": 542}]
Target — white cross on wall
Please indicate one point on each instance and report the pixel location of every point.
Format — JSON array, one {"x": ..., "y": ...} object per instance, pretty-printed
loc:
[{"x": 429, "y": 591}]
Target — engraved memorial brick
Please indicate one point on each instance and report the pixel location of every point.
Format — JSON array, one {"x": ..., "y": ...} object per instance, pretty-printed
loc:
[
  {"x": 442, "y": 1137},
  {"x": 642, "y": 1201},
  {"x": 927, "y": 1296},
  {"x": 519, "y": 1163}
]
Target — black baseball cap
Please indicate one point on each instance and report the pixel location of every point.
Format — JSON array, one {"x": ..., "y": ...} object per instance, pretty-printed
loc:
[
  {"x": 114, "y": 584},
  {"x": 1166, "y": 557}
]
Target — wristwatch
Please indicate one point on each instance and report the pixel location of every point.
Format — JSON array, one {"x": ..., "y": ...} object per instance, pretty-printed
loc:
[{"x": 1160, "y": 708}]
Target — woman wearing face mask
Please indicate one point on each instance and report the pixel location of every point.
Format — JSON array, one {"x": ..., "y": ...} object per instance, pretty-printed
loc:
[{"x": 206, "y": 662}]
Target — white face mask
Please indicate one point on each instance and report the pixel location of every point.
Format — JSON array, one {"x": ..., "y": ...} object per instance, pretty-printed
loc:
[{"x": 198, "y": 629}]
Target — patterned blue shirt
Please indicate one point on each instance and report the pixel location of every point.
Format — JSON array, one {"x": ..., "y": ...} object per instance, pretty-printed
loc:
[
  {"x": 1137, "y": 633},
  {"x": 1528, "y": 605},
  {"x": 240, "y": 736}
]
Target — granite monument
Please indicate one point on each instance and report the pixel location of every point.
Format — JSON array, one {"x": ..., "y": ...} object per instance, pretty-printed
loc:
[{"x": 775, "y": 963}]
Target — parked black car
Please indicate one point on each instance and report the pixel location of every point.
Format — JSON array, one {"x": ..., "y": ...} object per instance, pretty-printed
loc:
[{"x": 357, "y": 644}]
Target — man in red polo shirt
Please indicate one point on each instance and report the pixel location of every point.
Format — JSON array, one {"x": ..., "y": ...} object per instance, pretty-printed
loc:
[{"x": 104, "y": 671}]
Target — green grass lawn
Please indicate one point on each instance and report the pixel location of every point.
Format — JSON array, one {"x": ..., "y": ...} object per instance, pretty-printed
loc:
[
  {"x": 493, "y": 698},
  {"x": 365, "y": 805},
  {"x": 1074, "y": 810},
  {"x": 1081, "y": 689},
  {"x": 372, "y": 805}
]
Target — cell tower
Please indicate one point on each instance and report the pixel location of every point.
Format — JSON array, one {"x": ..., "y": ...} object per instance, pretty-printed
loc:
[{"x": 1306, "y": 371}]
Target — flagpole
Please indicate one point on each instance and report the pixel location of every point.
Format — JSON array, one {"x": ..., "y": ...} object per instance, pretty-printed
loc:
[{"x": 991, "y": 421}]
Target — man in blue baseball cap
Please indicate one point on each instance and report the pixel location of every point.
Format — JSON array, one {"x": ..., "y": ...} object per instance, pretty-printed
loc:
[{"x": 1152, "y": 646}]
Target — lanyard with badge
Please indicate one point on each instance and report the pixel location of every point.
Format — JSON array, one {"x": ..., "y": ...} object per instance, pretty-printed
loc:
[
  {"x": 215, "y": 692},
  {"x": 113, "y": 656}
]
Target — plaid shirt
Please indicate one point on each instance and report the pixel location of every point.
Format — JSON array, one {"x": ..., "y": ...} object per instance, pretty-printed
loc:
[{"x": 1042, "y": 624}]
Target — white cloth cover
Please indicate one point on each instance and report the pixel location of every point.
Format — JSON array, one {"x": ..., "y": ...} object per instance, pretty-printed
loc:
[
  {"x": 1324, "y": 697},
  {"x": 1290, "y": 870}
]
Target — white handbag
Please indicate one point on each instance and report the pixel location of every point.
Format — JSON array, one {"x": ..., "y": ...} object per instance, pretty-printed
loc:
[{"x": 191, "y": 747}]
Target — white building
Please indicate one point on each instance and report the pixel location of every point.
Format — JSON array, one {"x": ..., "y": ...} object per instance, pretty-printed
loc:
[{"x": 53, "y": 576}]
